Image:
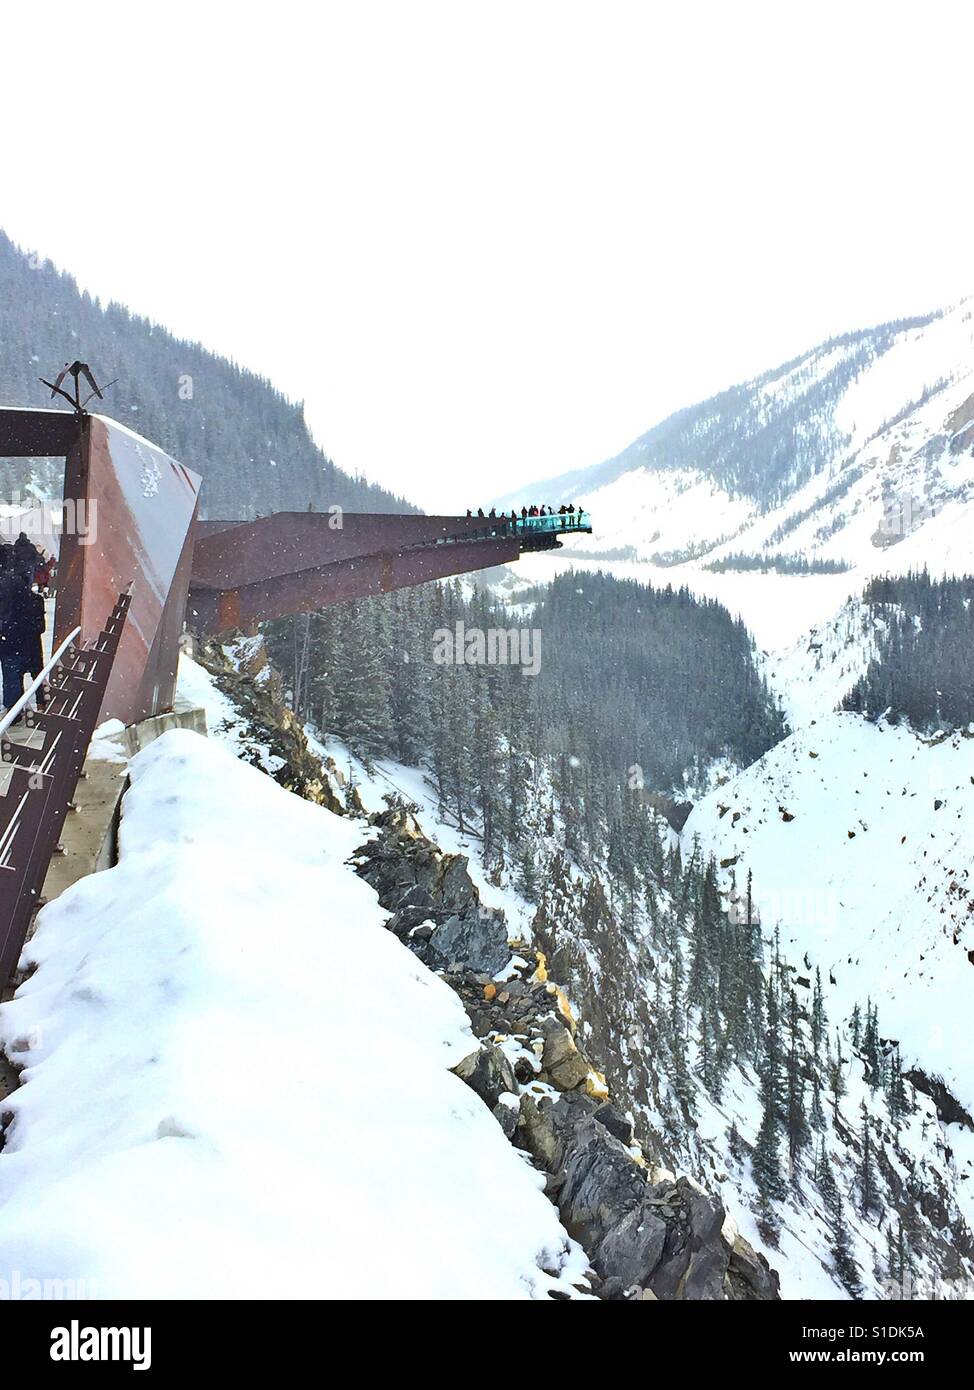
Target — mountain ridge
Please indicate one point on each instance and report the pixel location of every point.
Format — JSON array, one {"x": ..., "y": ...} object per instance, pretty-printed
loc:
[
  {"x": 866, "y": 341},
  {"x": 867, "y": 447},
  {"x": 249, "y": 441}
]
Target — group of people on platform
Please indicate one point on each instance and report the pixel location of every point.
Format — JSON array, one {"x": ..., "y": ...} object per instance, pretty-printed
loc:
[
  {"x": 570, "y": 511},
  {"x": 26, "y": 576}
]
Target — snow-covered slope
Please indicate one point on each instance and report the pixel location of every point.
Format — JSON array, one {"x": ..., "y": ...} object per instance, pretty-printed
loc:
[
  {"x": 236, "y": 1082},
  {"x": 860, "y": 454},
  {"x": 813, "y": 675},
  {"x": 861, "y": 842}
]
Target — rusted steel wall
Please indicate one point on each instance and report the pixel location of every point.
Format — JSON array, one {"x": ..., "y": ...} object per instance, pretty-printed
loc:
[
  {"x": 295, "y": 562},
  {"x": 139, "y": 509},
  {"x": 230, "y": 555},
  {"x": 359, "y": 576}
]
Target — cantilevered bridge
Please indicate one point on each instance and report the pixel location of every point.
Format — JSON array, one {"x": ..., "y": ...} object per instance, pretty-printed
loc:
[{"x": 137, "y": 565}]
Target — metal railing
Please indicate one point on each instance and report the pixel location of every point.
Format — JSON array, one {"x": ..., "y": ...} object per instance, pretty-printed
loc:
[
  {"x": 42, "y": 779},
  {"x": 15, "y": 711}
]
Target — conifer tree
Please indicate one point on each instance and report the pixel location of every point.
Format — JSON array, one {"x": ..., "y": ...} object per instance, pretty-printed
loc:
[
  {"x": 819, "y": 1022},
  {"x": 679, "y": 1069},
  {"x": 816, "y": 1117},
  {"x": 410, "y": 677},
  {"x": 772, "y": 1043},
  {"x": 899, "y": 1261},
  {"x": 837, "y": 1084},
  {"x": 871, "y": 1047},
  {"x": 796, "y": 1122},
  {"x": 486, "y": 764},
  {"x": 896, "y": 1091},
  {"x": 713, "y": 1054},
  {"x": 868, "y": 1197},
  {"x": 766, "y": 1159},
  {"x": 845, "y": 1267}
]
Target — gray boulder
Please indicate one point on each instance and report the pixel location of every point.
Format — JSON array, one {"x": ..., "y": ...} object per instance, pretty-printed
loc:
[
  {"x": 615, "y": 1122},
  {"x": 629, "y": 1251},
  {"x": 477, "y": 941},
  {"x": 488, "y": 1072}
]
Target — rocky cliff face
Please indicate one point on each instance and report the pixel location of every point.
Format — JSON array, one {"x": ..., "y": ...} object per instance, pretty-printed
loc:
[
  {"x": 268, "y": 734},
  {"x": 922, "y": 1155},
  {"x": 648, "y": 1233}
]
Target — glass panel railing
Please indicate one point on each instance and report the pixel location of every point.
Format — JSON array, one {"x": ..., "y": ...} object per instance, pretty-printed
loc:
[
  {"x": 496, "y": 526},
  {"x": 561, "y": 521}
]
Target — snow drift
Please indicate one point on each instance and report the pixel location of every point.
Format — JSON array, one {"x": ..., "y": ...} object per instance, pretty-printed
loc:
[{"x": 236, "y": 1082}]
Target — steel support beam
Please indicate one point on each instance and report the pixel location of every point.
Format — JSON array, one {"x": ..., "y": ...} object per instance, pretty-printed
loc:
[
  {"x": 361, "y": 576},
  {"x": 230, "y": 555},
  {"x": 245, "y": 573}
]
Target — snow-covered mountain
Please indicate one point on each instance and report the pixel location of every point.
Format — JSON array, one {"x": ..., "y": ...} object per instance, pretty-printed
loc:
[
  {"x": 812, "y": 675},
  {"x": 857, "y": 458}
]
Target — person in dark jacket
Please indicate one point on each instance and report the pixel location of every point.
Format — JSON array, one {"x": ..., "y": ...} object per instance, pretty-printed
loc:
[
  {"x": 26, "y": 556},
  {"x": 14, "y": 623},
  {"x": 31, "y": 649}
]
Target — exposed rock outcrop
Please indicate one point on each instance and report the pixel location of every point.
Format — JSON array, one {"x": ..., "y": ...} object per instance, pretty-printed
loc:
[
  {"x": 423, "y": 887},
  {"x": 949, "y": 1108},
  {"x": 254, "y": 688}
]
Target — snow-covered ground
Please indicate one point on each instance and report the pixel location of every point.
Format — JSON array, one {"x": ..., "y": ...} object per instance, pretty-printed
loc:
[
  {"x": 802, "y": 1254},
  {"x": 814, "y": 674},
  {"x": 860, "y": 841},
  {"x": 236, "y": 1082}
]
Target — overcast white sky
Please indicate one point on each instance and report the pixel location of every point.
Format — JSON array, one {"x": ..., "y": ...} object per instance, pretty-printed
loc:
[{"x": 486, "y": 242}]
